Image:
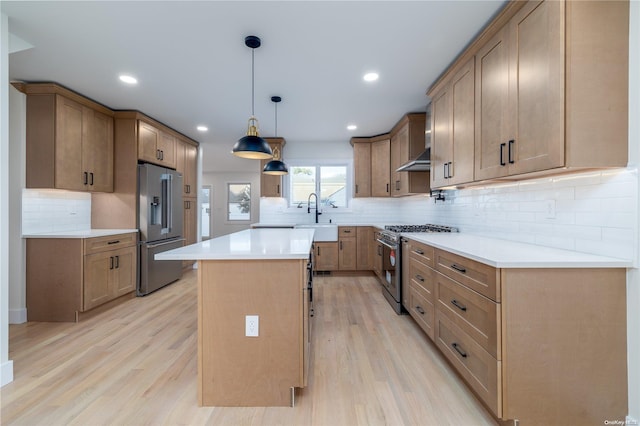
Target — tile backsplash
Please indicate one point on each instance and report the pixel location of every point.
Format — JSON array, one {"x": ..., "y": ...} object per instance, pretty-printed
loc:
[
  {"x": 592, "y": 212},
  {"x": 53, "y": 211}
]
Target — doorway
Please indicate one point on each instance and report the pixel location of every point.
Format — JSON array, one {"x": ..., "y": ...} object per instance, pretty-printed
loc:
[{"x": 205, "y": 209}]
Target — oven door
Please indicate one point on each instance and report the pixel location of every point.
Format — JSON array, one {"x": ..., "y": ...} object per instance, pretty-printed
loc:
[{"x": 389, "y": 267}]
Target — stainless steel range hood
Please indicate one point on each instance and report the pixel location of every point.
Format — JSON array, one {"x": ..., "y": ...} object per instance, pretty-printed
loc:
[{"x": 421, "y": 163}]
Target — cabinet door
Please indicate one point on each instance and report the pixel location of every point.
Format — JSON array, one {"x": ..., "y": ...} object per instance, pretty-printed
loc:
[
  {"x": 399, "y": 155},
  {"x": 124, "y": 272},
  {"x": 364, "y": 242},
  {"x": 492, "y": 108},
  {"x": 97, "y": 272},
  {"x": 69, "y": 172},
  {"x": 362, "y": 169},
  {"x": 190, "y": 223},
  {"x": 190, "y": 175},
  {"x": 167, "y": 150},
  {"x": 326, "y": 256},
  {"x": 148, "y": 138},
  {"x": 536, "y": 70},
  {"x": 347, "y": 254},
  {"x": 406, "y": 278},
  {"x": 441, "y": 150},
  {"x": 98, "y": 151},
  {"x": 271, "y": 185},
  {"x": 460, "y": 166},
  {"x": 380, "y": 168}
]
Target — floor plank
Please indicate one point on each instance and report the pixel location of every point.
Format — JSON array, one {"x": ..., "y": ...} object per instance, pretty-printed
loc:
[{"x": 136, "y": 364}]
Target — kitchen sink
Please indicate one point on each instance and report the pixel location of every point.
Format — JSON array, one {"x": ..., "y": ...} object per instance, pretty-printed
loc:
[{"x": 324, "y": 231}]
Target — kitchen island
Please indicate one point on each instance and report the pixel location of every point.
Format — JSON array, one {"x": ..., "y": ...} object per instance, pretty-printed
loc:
[{"x": 252, "y": 282}]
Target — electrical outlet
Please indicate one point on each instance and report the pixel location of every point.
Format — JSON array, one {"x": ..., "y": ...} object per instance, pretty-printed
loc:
[
  {"x": 551, "y": 209},
  {"x": 252, "y": 326}
]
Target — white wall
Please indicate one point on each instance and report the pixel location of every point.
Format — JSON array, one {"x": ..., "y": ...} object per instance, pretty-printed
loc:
[
  {"x": 17, "y": 137},
  {"x": 6, "y": 365},
  {"x": 218, "y": 182},
  {"x": 633, "y": 276}
]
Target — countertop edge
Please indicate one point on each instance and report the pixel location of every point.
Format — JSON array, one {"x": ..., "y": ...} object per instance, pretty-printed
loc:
[{"x": 87, "y": 233}]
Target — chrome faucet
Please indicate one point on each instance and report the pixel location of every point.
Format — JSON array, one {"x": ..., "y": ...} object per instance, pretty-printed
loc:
[{"x": 316, "y": 207}]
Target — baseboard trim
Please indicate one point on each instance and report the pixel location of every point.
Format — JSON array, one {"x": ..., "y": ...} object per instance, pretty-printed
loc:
[
  {"x": 6, "y": 373},
  {"x": 17, "y": 316}
]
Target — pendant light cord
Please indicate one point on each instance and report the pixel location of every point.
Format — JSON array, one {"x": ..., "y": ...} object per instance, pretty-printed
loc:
[
  {"x": 276, "y": 119},
  {"x": 253, "y": 114}
]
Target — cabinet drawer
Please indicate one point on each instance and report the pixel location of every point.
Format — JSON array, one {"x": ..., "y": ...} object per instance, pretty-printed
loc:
[
  {"x": 423, "y": 275},
  {"x": 346, "y": 231},
  {"x": 109, "y": 242},
  {"x": 421, "y": 252},
  {"x": 421, "y": 308},
  {"x": 481, "y": 371},
  {"x": 479, "y": 277},
  {"x": 478, "y": 316}
]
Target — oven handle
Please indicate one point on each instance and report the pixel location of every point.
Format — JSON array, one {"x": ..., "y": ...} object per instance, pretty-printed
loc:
[{"x": 387, "y": 244}]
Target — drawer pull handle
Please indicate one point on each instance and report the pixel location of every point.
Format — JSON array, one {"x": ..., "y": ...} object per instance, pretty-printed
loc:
[
  {"x": 419, "y": 277},
  {"x": 462, "y": 353},
  {"x": 420, "y": 310},
  {"x": 113, "y": 242},
  {"x": 458, "y": 268},
  {"x": 347, "y": 231},
  {"x": 418, "y": 251},
  {"x": 458, "y": 305}
]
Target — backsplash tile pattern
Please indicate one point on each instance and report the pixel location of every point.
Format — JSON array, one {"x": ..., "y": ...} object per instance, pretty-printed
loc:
[
  {"x": 592, "y": 212},
  {"x": 53, "y": 210}
]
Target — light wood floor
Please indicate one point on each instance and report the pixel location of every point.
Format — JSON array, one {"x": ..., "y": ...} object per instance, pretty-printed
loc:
[{"x": 136, "y": 364}]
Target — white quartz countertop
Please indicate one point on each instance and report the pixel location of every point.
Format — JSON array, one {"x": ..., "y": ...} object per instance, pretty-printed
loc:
[
  {"x": 85, "y": 233},
  {"x": 512, "y": 254},
  {"x": 261, "y": 243}
]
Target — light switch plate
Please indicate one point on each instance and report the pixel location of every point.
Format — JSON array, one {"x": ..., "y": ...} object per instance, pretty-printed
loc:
[{"x": 252, "y": 326}]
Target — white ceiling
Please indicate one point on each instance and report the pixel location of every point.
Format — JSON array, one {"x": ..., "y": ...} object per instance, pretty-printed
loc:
[{"x": 193, "y": 67}]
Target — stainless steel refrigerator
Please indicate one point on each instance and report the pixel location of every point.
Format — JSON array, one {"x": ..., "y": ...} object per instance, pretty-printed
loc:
[{"x": 160, "y": 218}]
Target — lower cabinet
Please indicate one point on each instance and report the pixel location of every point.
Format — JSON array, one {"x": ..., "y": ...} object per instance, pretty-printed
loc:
[
  {"x": 326, "y": 256},
  {"x": 556, "y": 336},
  {"x": 347, "y": 248},
  {"x": 67, "y": 277}
]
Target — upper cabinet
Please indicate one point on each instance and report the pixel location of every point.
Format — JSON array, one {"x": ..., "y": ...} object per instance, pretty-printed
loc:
[
  {"x": 69, "y": 140},
  {"x": 372, "y": 166},
  {"x": 407, "y": 142},
  {"x": 452, "y": 129},
  {"x": 187, "y": 164},
  {"x": 271, "y": 185},
  {"x": 156, "y": 146},
  {"x": 551, "y": 94}
]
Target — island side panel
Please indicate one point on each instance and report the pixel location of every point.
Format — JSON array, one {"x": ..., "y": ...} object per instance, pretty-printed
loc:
[
  {"x": 235, "y": 370},
  {"x": 564, "y": 343}
]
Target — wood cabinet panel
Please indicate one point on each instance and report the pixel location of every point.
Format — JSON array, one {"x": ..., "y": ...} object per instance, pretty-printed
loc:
[
  {"x": 380, "y": 168},
  {"x": 407, "y": 142},
  {"x": 362, "y": 169},
  {"x": 326, "y": 256},
  {"x": 69, "y": 140},
  {"x": 67, "y": 277},
  {"x": 187, "y": 164},
  {"x": 364, "y": 236},
  {"x": 347, "y": 254},
  {"x": 271, "y": 185},
  {"x": 156, "y": 146}
]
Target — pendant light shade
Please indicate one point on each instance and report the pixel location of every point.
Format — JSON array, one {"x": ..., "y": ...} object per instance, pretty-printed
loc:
[
  {"x": 252, "y": 145},
  {"x": 276, "y": 166}
]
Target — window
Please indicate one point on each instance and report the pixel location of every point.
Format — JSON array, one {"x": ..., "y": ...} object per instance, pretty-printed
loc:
[
  {"x": 239, "y": 201},
  {"x": 329, "y": 182}
]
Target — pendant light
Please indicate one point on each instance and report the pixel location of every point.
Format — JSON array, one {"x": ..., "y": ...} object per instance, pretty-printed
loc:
[
  {"x": 252, "y": 145},
  {"x": 276, "y": 166}
]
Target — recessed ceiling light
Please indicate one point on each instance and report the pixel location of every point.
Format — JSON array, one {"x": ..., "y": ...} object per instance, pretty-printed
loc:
[
  {"x": 371, "y": 76},
  {"x": 352, "y": 127},
  {"x": 128, "y": 79},
  {"x": 202, "y": 128}
]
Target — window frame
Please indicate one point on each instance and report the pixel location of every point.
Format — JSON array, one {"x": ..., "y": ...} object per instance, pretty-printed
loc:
[
  {"x": 317, "y": 163},
  {"x": 229, "y": 220}
]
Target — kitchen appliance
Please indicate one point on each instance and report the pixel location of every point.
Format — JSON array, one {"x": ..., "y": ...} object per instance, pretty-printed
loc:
[
  {"x": 389, "y": 250},
  {"x": 160, "y": 218}
]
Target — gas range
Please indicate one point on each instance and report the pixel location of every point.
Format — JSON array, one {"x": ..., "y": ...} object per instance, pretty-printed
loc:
[{"x": 391, "y": 233}]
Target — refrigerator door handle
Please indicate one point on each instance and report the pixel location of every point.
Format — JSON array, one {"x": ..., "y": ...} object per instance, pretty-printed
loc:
[{"x": 167, "y": 196}]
